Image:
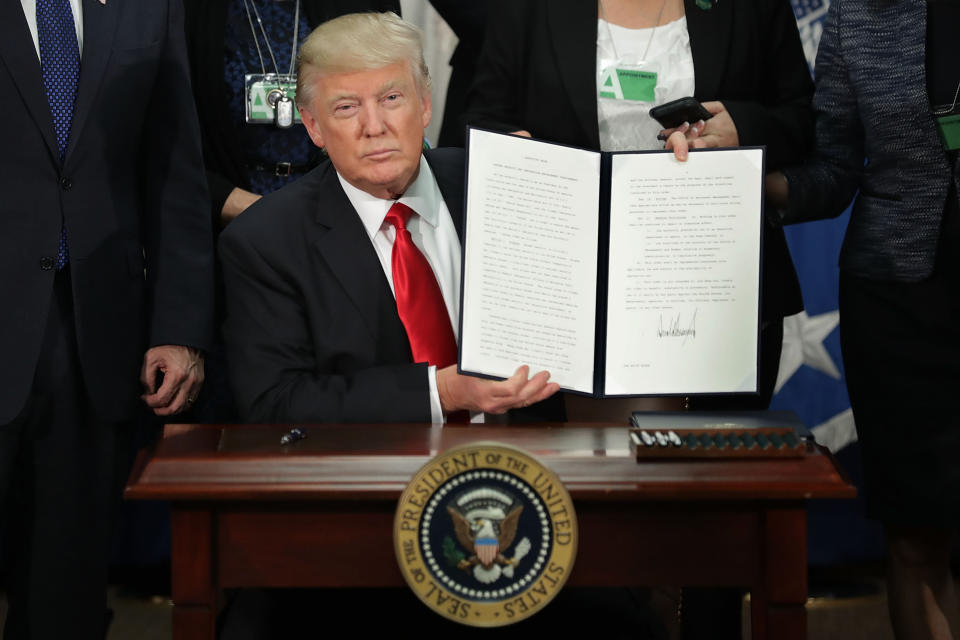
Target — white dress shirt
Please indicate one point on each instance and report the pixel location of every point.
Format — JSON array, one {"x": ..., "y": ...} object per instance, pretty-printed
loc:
[
  {"x": 30, "y": 12},
  {"x": 434, "y": 234},
  {"x": 625, "y": 125}
]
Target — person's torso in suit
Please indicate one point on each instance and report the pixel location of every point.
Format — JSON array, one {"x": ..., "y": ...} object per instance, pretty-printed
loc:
[
  {"x": 129, "y": 184},
  {"x": 205, "y": 27},
  {"x": 876, "y": 133},
  {"x": 312, "y": 331},
  {"x": 538, "y": 72},
  {"x": 306, "y": 295}
]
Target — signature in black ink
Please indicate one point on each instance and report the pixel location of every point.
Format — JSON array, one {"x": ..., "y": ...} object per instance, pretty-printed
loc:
[{"x": 674, "y": 330}]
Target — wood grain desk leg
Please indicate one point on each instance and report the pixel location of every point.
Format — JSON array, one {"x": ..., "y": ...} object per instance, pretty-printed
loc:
[
  {"x": 194, "y": 587},
  {"x": 779, "y": 612}
]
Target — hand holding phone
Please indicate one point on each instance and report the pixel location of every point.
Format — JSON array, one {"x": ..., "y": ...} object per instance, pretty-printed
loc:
[
  {"x": 674, "y": 113},
  {"x": 719, "y": 131}
]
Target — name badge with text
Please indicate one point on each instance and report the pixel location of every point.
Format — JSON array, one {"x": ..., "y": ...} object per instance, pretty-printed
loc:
[
  {"x": 270, "y": 99},
  {"x": 637, "y": 83}
]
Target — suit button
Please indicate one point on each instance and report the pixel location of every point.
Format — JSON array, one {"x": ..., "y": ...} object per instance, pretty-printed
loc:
[
  {"x": 46, "y": 263},
  {"x": 66, "y": 184}
]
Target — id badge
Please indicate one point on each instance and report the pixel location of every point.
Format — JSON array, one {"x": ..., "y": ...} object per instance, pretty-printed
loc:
[
  {"x": 269, "y": 99},
  {"x": 634, "y": 82},
  {"x": 949, "y": 128}
]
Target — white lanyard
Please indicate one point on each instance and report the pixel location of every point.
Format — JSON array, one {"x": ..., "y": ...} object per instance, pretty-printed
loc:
[
  {"x": 256, "y": 40},
  {"x": 616, "y": 55}
]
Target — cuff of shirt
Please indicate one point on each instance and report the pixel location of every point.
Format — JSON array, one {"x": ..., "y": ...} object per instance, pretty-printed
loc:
[{"x": 436, "y": 410}]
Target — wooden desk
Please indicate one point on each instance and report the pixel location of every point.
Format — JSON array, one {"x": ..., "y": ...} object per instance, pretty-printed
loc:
[{"x": 248, "y": 512}]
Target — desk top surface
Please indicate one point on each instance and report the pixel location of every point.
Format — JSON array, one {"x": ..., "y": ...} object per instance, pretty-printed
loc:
[{"x": 376, "y": 461}]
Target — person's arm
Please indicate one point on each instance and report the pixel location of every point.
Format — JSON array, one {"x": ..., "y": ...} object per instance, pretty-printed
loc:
[
  {"x": 275, "y": 369},
  {"x": 178, "y": 243},
  {"x": 779, "y": 115},
  {"x": 278, "y": 374},
  {"x": 459, "y": 392},
  {"x": 826, "y": 183},
  {"x": 492, "y": 101},
  {"x": 236, "y": 202}
]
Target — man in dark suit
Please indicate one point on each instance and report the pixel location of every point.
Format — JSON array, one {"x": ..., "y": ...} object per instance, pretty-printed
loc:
[
  {"x": 339, "y": 307},
  {"x": 105, "y": 267}
]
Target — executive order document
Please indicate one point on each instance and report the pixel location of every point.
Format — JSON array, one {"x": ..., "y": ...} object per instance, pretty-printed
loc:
[{"x": 621, "y": 274}]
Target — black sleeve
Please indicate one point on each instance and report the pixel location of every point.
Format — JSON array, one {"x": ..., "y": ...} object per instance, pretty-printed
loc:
[
  {"x": 492, "y": 101},
  {"x": 179, "y": 248},
  {"x": 780, "y": 117}
]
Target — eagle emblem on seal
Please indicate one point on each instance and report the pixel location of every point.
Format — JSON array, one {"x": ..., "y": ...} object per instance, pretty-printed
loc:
[{"x": 485, "y": 523}]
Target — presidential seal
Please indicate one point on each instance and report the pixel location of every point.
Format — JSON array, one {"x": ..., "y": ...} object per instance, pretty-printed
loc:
[{"x": 485, "y": 534}]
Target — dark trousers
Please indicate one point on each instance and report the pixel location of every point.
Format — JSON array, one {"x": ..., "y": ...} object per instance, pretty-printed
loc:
[{"x": 58, "y": 485}]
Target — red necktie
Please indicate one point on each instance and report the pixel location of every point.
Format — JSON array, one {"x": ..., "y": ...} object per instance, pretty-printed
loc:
[{"x": 419, "y": 299}]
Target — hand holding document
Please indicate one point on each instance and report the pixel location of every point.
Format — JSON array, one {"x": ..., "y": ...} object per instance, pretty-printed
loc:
[{"x": 621, "y": 274}]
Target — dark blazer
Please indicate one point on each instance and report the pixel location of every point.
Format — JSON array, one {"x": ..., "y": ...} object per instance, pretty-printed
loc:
[
  {"x": 312, "y": 328},
  {"x": 468, "y": 21},
  {"x": 538, "y": 72},
  {"x": 875, "y": 132},
  {"x": 205, "y": 29},
  {"x": 134, "y": 204}
]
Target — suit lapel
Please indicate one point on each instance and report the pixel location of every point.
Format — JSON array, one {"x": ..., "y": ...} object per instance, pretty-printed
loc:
[
  {"x": 345, "y": 247},
  {"x": 575, "y": 47},
  {"x": 99, "y": 28},
  {"x": 710, "y": 44},
  {"x": 450, "y": 180},
  {"x": 19, "y": 55}
]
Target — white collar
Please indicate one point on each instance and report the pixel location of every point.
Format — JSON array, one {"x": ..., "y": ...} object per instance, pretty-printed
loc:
[{"x": 422, "y": 196}]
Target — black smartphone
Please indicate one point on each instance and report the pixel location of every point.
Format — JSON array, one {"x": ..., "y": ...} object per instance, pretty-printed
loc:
[{"x": 676, "y": 112}]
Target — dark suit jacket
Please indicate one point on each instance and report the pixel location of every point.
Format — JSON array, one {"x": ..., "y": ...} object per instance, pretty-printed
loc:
[
  {"x": 875, "y": 132},
  {"x": 468, "y": 21},
  {"x": 205, "y": 25},
  {"x": 130, "y": 191},
  {"x": 538, "y": 72},
  {"x": 312, "y": 328}
]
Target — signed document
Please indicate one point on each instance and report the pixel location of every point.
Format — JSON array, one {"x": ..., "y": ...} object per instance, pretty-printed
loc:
[{"x": 622, "y": 274}]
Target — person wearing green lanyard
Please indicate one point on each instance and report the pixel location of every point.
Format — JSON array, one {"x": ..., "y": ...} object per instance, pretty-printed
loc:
[
  {"x": 245, "y": 154},
  {"x": 887, "y": 115},
  {"x": 587, "y": 74}
]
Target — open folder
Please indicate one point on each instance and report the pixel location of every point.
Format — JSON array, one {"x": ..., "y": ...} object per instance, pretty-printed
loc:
[{"x": 622, "y": 274}]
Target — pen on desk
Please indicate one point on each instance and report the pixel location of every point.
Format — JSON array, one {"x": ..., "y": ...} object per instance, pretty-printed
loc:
[{"x": 292, "y": 436}]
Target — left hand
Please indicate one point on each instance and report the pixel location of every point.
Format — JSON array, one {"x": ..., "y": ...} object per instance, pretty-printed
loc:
[
  {"x": 718, "y": 131},
  {"x": 182, "y": 369}
]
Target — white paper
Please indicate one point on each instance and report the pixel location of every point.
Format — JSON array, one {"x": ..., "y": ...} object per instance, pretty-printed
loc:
[
  {"x": 683, "y": 303},
  {"x": 530, "y": 266}
]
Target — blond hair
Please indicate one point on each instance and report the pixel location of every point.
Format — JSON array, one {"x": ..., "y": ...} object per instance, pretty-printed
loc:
[{"x": 358, "y": 42}]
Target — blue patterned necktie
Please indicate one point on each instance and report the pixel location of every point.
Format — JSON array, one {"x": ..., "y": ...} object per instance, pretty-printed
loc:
[{"x": 60, "y": 65}]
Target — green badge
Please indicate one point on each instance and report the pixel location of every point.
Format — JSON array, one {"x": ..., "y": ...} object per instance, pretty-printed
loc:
[
  {"x": 949, "y": 127},
  {"x": 262, "y": 94},
  {"x": 621, "y": 83}
]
